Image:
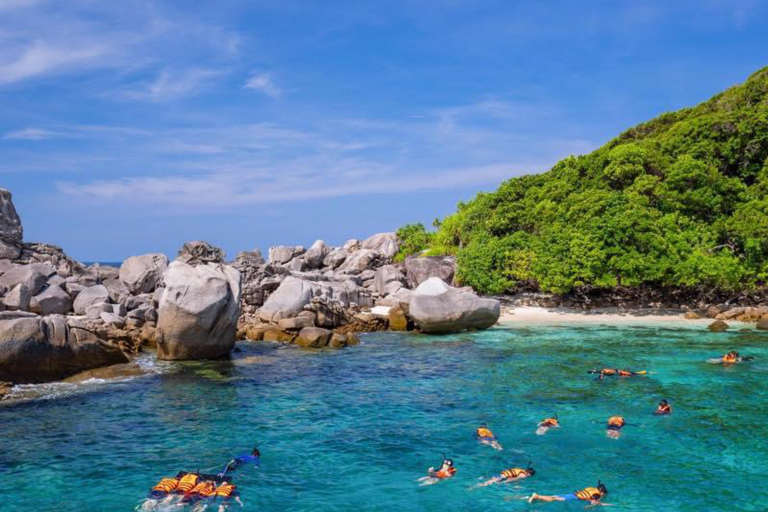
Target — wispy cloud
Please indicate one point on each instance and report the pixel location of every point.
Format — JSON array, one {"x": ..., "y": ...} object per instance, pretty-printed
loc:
[
  {"x": 8, "y": 5},
  {"x": 265, "y": 84},
  {"x": 173, "y": 84},
  {"x": 32, "y": 134},
  {"x": 40, "y": 58}
]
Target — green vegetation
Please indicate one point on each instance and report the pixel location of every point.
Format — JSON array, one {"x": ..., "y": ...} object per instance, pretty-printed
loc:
[{"x": 678, "y": 201}]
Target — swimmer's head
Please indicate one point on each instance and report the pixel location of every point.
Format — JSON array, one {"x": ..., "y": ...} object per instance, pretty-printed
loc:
[
  {"x": 255, "y": 452},
  {"x": 530, "y": 471},
  {"x": 447, "y": 462},
  {"x": 602, "y": 488},
  {"x": 664, "y": 402}
]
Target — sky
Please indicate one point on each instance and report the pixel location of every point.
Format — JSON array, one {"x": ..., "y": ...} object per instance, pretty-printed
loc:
[{"x": 132, "y": 127}]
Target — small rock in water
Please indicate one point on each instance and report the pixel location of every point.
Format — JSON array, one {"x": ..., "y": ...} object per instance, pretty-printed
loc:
[{"x": 718, "y": 326}]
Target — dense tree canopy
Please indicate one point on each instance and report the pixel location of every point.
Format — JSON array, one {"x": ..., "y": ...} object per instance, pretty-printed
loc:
[{"x": 678, "y": 201}]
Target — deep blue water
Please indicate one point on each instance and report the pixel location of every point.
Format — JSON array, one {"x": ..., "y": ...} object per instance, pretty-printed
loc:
[{"x": 354, "y": 429}]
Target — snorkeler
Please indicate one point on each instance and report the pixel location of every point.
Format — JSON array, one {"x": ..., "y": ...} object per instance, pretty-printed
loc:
[
  {"x": 446, "y": 470},
  {"x": 160, "y": 494},
  {"x": 614, "y": 372},
  {"x": 204, "y": 489},
  {"x": 615, "y": 424},
  {"x": 591, "y": 494},
  {"x": 731, "y": 357},
  {"x": 509, "y": 475},
  {"x": 663, "y": 408},
  {"x": 546, "y": 424},
  {"x": 486, "y": 437},
  {"x": 253, "y": 458}
]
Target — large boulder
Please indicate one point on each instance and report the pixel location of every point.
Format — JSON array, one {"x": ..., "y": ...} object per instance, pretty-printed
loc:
[
  {"x": 418, "y": 270},
  {"x": 33, "y": 276},
  {"x": 385, "y": 244},
  {"x": 385, "y": 277},
  {"x": 11, "y": 231},
  {"x": 362, "y": 260},
  {"x": 51, "y": 301},
  {"x": 288, "y": 300},
  {"x": 197, "y": 252},
  {"x": 142, "y": 274},
  {"x": 18, "y": 299},
  {"x": 316, "y": 254},
  {"x": 41, "y": 349},
  {"x": 198, "y": 313},
  {"x": 313, "y": 337},
  {"x": 335, "y": 258},
  {"x": 93, "y": 295},
  {"x": 282, "y": 254},
  {"x": 453, "y": 310}
]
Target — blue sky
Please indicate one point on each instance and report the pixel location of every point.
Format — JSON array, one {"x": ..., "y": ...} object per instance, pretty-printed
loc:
[{"x": 131, "y": 127}]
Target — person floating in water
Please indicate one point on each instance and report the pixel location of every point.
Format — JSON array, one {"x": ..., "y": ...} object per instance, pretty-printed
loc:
[
  {"x": 731, "y": 357},
  {"x": 226, "y": 492},
  {"x": 615, "y": 372},
  {"x": 663, "y": 408},
  {"x": 509, "y": 475},
  {"x": 446, "y": 470},
  {"x": 546, "y": 424},
  {"x": 253, "y": 458},
  {"x": 593, "y": 495},
  {"x": 486, "y": 437},
  {"x": 615, "y": 424},
  {"x": 161, "y": 494}
]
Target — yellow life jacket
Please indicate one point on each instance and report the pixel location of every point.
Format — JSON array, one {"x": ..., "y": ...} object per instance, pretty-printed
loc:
[
  {"x": 729, "y": 358},
  {"x": 484, "y": 432},
  {"x": 616, "y": 421},
  {"x": 514, "y": 473},
  {"x": 589, "y": 494},
  {"x": 550, "y": 422},
  {"x": 206, "y": 488},
  {"x": 225, "y": 490},
  {"x": 187, "y": 482},
  {"x": 166, "y": 485}
]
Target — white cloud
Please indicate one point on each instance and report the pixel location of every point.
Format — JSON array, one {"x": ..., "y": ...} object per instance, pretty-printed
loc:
[
  {"x": 173, "y": 84},
  {"x": 40, "y": 58},
  {"x": 264, "y": 83},
  {"x": 32, "y": 134},
  {"x": 9, "y": 5}
]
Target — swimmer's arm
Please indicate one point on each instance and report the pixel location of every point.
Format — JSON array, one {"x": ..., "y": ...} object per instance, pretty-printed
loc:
[{"x": 595, "y": 503}]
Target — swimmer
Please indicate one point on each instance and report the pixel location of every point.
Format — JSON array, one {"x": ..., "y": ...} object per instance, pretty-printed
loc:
[
  {"x": 614, "y": 372},
  {"x": 509, "y": 475},
  {"x": 445, "y": 471},
  {"x": 663, "y": 408},
  {"x": 546, "y": 424},
  {"x": 591, "y": 494},
  {"x": 486, "y": 437},
  {"x": 615, "y": 424},
  {"x": 731, "y": 357},
  {"x": 253, "y": 458},
  {"x": 226, "y": 492}
]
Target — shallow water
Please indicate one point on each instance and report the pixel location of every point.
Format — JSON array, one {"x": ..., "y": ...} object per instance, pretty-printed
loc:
[{"x": 354, "y": 429}]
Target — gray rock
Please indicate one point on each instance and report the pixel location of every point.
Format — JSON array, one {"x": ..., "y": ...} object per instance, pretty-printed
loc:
[
  {"x": 249, "y": 258},
  {"x": 73, "y": 289},
  {"x": 313, "y": 337},
  {"x": 418, "y": 270},
  {"x": 297, "y": 265},
  {"x": 119, "y": 309},
  {"x": 296, "y": 323},
  {"x": 94, "y": 311},
  {"x": 18, "y": 298},
  {"x": 432, "y": 286},
  {"x": 362, "y": 260},
  {"x": 11, "y": 231},
  {"x": 34, "y": 277},
  {"x": 282, "y": 254},
  {"x": 453, "y": 310},
  {"x": 198, "y": 313},
  {"x": 51, "y": 301},
  {"x": 316, "y": 254},
  {"x": 137, "y": 313},
  {"x": 335, "y": 258},
  {"x": 117, "y": 289},
  {"x": 9, "y": 250},
  {"x": 112, "y": 319},
  {"x": 136, "y": 301},
  {"x": 385, "y": 244},
  {"x": 104, "y": 272},
  {"x": 89, "y": 279},
  {"x": 386, "y": 275},
  {"x": 57, "y": 280},
  {"x": 352, "y": 245},
  {"x": 288, "y": 300},
  {"x": 42, "y": 349},
  {"x": 200, "y": 253},
  {"x": 150, "y": 315},
  {"x": 157, "y": 295},
  {"x": 94, "y": 295},
  {"x": 142, "y": 274}
]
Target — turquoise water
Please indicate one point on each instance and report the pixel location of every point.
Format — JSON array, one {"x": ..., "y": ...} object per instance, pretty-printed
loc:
[{"x": 354, "y": 429}]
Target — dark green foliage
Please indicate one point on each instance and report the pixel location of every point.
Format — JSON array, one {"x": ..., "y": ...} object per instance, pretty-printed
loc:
[
  {"x": 678, "y": 201},
  {"x": 414, "y": 238}
]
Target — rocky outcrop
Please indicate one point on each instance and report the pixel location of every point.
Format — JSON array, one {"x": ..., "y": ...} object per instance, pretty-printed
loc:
[
  {"x": 51, "y": 301},
  {"x": 418, "y": 270},
  {"x": 199, "y": 310},
  {"x": 197, "y": 252},
  {"x": 97, "y": 294},
  {"x": 11, "y": 231},
  {"x": 143, "y": 274},
  {"x": 41, "y": 349},
  {"x": 453, "y": 310}
]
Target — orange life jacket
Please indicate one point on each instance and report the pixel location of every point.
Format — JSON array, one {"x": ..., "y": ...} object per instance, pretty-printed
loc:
[
  {"x": 166, "y": 485},
  {"x": 589, "y": 494},
  {"x": 514, "y": 473},
  {"x": 608, "y": 371},
  {"x": 484, "y": 432},
  {"x": 225, "y": 490},
  {"x": 616, "y": 421},
  {"x": 729, "y": 358},
  {"x": 187, "y": 482},
  {"x": 625, "y": 373},
  {"x": 665, "y": 409},
  {"x": 206, "y": 488},
  {"x": 550, "y": 422},
  {"x": 447, "y": 473}
]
